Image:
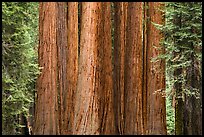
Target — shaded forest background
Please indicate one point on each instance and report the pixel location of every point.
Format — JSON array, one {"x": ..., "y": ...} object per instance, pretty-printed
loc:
[{"x": 131, "y": 68}]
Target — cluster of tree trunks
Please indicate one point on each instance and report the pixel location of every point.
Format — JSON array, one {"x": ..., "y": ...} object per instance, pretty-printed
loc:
[{"x": 79, "y": 90}]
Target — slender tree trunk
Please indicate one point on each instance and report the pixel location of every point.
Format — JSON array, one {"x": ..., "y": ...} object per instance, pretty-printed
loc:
[
  {"x": 24, "y": 122},
  {"x": 133, "y": 70},
  {"x": 155, "y": 73},
  {"x": 46, "y": 115},
  {"x": 71, "y": 63},
  {"x": 192, "y": 113},
  {"x": 120, "y": 20},
  {"x": 196, "y": 110}
]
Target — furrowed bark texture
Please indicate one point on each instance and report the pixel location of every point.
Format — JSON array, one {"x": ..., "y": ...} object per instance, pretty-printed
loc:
[
  {"x": 155, "y": 75},
  {"x": 72, "y": 100},
  {"x": 72, "y": 67},
  {"x": 133, "y": 70},
  {"x": 107, "y": 118},
  {"x": 94, "y": 98},
  {"x": 120, "y": 20},
  {"x": 144, "y": 86},
  {"x": 46, "y": 115},
  {"x": 86, "y": 119},
  {"x": 61, "y": 57}
]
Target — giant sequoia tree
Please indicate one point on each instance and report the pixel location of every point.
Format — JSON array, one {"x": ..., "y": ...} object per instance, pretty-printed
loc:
[
  {"x": 58, "y": 57},
  {"x": 46, "y": 115},
  {"x": 71, "y": 68},
  {"x": 89, "y": 85},
  {"x": 93, "y": 103},
  {"x": 154, "y": 102},
  {"x": 133, "y": 70},
  {"x": 120, "y": 20},
  {"x": 102, "y": 68},
  {"x": 85, "y": 105},
  {"x": 143, "y": 80}
]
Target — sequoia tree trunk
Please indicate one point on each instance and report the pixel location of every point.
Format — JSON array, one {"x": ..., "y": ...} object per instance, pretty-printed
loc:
[
  {"x": 61, "y": 24},
  {"x": 46, "y": 114},
  {"x": 133, "y": 71},
  {"x": 71, "y": 67},
  {"x": 94, "y": 98},
  {"x": 86, "y": 119},
  {"x": 106, "y": 100},
  {"x": 155, "y": 116},
  {"x": 120, "y": 21}
]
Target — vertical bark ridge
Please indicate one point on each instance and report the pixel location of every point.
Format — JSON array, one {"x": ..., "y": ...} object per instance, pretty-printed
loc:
[
  {"x": 61, "y": 54},
  {"x": 156, "y": 120},
  {"x": 107, "y": 97},
  {"x": 71, "y": 66},
  {"x": 46, "y": 116},
  {"x": 120, "y": 11},
  {"x": 133, "y": 70},
  {"x": 144, "y": 88},
  {"x": 86, "y": 119}
]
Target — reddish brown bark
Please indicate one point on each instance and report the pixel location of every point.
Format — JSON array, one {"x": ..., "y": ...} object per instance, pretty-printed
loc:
[
  {"x": 71, "y": 67},
  {"x": 144, "y": 93},
  {"x": 107, "y": 117},
  {"x": 86, "y": 117},
  {"x": 68, "y": 104},
  {"x": 155, "y": 74},
  {"x": 94, "y": 98},
  {"x": 61, "y": 57},
  {"x": 133, "y": 70},
  {"x": 120, "y": 20},
  {"x": 46, "y": 115}
]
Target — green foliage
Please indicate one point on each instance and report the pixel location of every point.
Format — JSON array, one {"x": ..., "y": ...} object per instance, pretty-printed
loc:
[
  {"x": 19, "y": 61},
  {"x": 183, "y": 41},
  {"x": 183, "y": 45},
  {"x": 170, "y": 117}
]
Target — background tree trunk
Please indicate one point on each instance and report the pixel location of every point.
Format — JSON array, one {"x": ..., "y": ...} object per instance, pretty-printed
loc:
[
  {"x": 179, "y": 104},
  {"x": 194, "y": 101},
  {"x": 155, "y": 75},
  {"x": 192, "y": 113},
  {"x": 46, "y": 115},
  {"x": 133, "y": 70},
  {"x": 23, "y": 121},
  {"x": 120, "y": 21}
]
